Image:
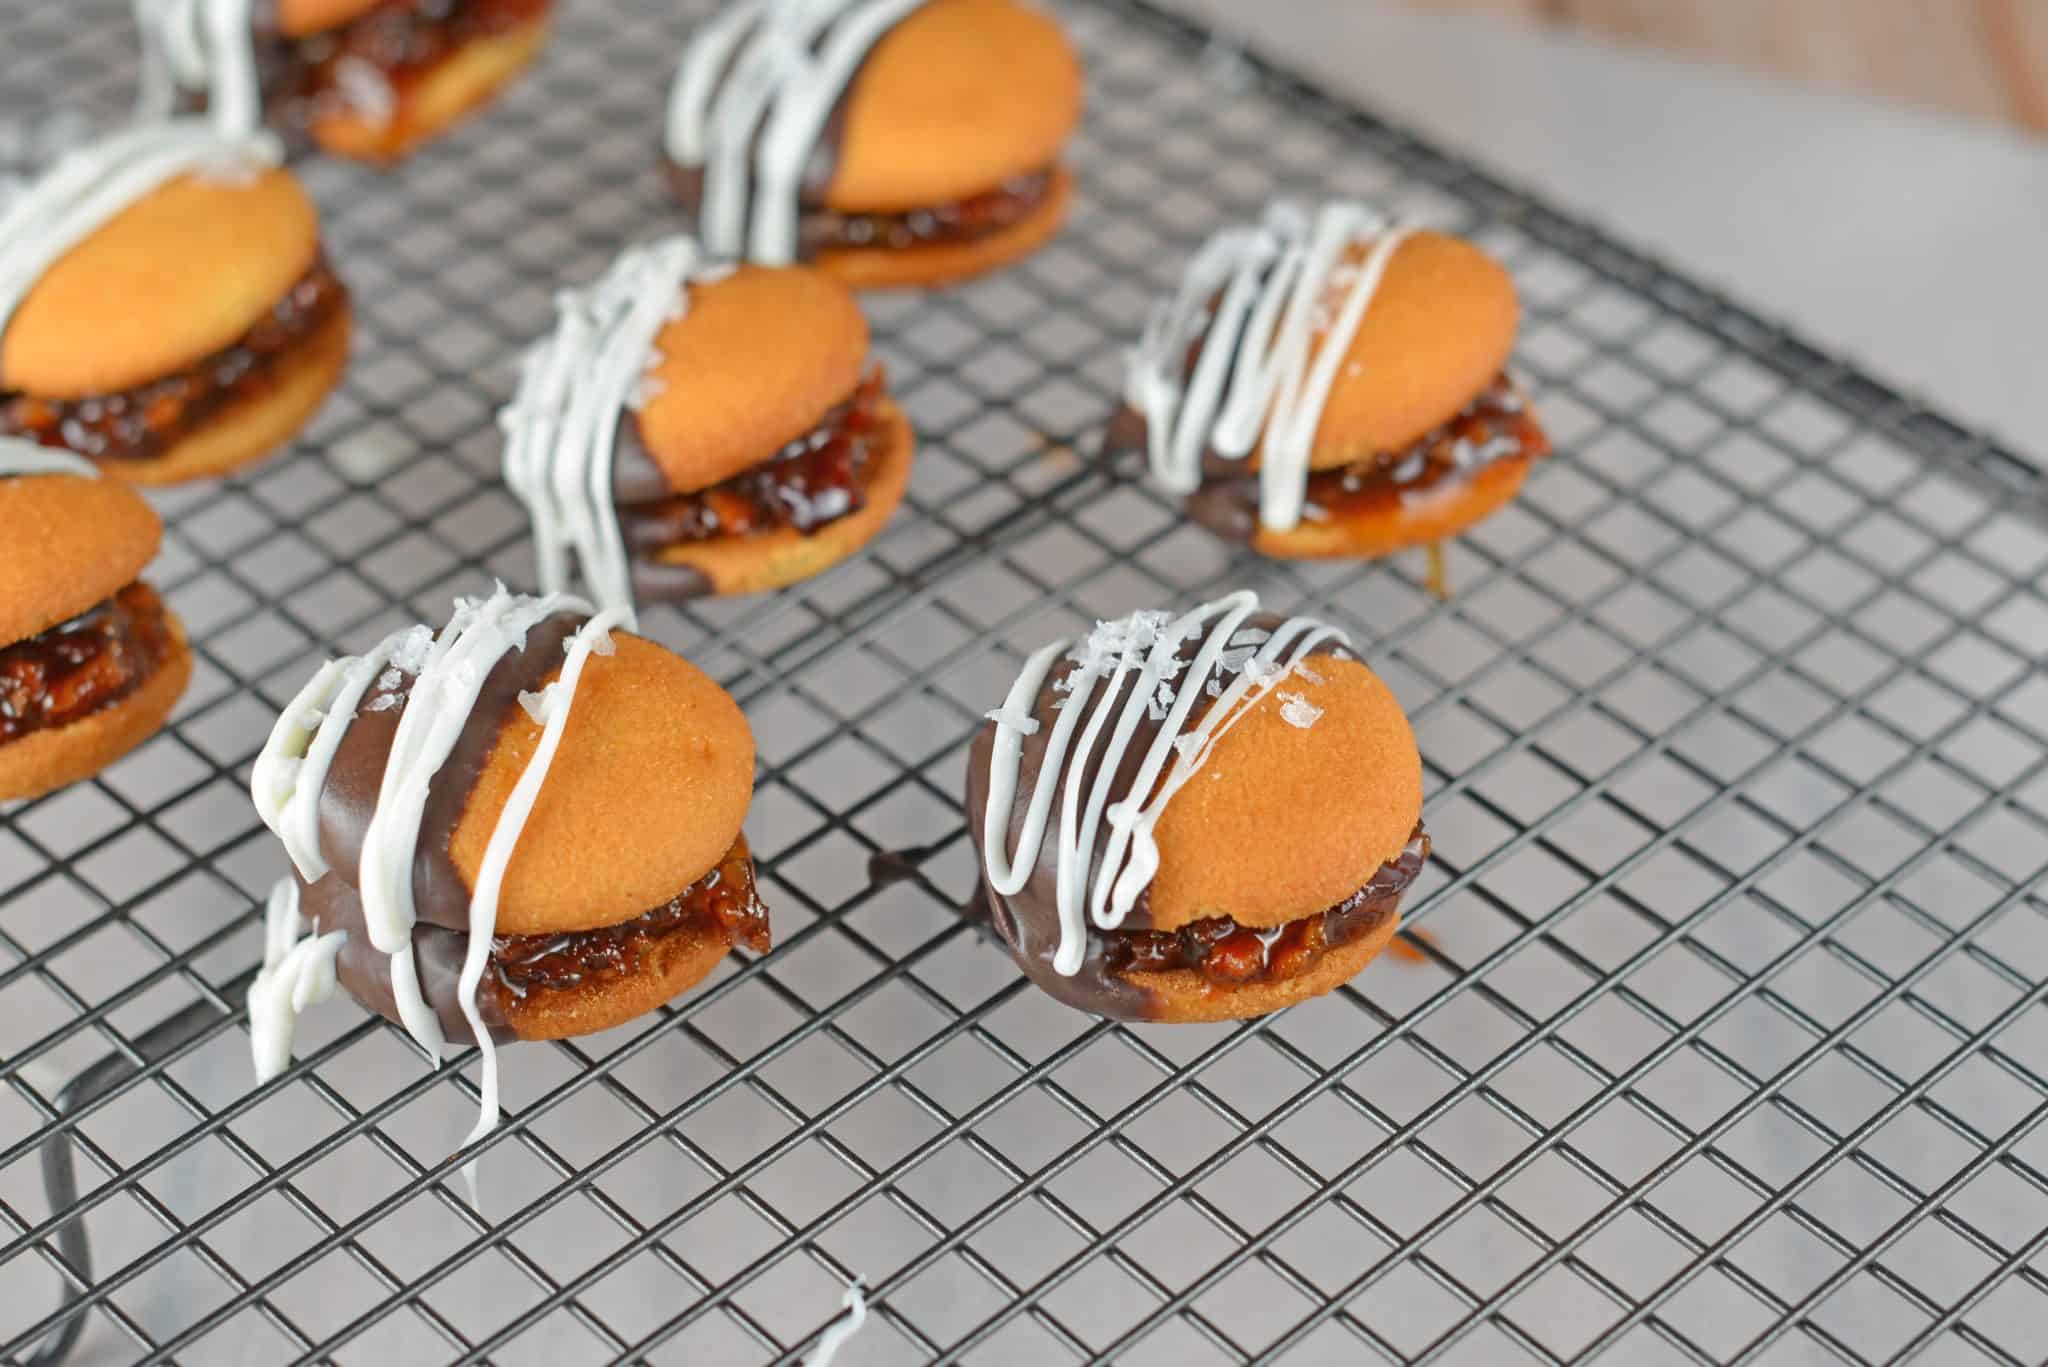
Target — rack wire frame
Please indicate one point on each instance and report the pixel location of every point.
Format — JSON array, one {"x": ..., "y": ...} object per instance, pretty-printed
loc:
[{"x": 1716, "y": 1034}]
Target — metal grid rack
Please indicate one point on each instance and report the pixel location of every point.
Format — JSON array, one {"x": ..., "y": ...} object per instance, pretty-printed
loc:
[{"x": 1717, "y": 1035}]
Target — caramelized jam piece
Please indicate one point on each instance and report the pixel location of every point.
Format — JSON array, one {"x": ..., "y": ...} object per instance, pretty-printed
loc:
[
  {"x": 139, "y": 423},
  {"x": 1228, "y": 954},
  {"x": 1009, "y": 204},
  {"x": 1495, "y": 426},
  {"x": 399, "y": 40},
  {"x": 820, "y": 477},
  {"x": 77, "y": 667},
  {"x": 722, "y": 901}
]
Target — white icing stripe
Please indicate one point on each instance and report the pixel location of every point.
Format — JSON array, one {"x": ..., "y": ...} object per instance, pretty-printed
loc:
[
  {"x": 1142, "y": 650},
  {"x": 86, "y": 188},
  {"x": 594, "y": 638},
  {"x": 840, "y": 1330},
  {"x": 561, "y": 426},
  {"x": 296, "y": 973},
  {"x": 1270, "y": 354},
  {"x": 19, "y": 457},
  {"x": 752, "y": 93},
  {"x": 199, "y": 45}
]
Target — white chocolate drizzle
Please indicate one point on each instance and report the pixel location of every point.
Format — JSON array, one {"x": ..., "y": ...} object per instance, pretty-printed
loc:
[
  {"x": 1287, "y": 304},
  {"x": 87, "y": 187},
  {"x": 562, "y": 424},
  {"x": 855, "y": 1303},
  {"x": 1233, "y": 666},
  {"x": 751, "y": 97},
  {"x": 298, "y": 970},
  {"x": 19, "y": 457},
  {"x": 447, "y": 674},
  {"x": 200, "y": 45}
]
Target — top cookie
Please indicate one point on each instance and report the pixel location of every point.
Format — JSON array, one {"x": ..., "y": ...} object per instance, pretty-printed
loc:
[{"x": 72, "y": 541}]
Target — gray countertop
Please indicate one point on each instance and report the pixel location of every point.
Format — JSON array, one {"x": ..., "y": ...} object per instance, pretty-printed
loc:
[{"x": 1907, "y": 240}]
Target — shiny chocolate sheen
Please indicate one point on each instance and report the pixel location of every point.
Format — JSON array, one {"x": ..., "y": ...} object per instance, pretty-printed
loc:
[
  {"x": 349, "y": 799},
  {"x": 365, "y": 972},
  {"x": 1029, "y": 921}
]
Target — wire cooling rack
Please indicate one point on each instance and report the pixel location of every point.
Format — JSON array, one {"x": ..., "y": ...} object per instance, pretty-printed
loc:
[{"x": 1718, "y": 1035}]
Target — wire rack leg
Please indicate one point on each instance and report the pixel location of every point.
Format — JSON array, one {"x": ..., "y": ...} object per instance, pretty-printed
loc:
[{"x": 60, "y": 1170}]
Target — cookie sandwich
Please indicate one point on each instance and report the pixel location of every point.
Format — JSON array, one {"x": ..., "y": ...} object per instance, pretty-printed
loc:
[
  {"x": 1196, "y": 817},
  {"x": 165, "y": 306},
  {"x": 894, "y": 142},
  {"x": 692, "y": 429},
  {"x": 1331, "y": 383},
  {"x": 523, "y": 826},
  {"x": 91, "y": 661},
  {"x": 369, "y": 79}
]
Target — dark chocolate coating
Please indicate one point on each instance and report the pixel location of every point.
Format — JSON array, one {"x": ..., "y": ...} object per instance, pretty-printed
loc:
[
  {"x": 1227, "y": 503},
  {"x": 365, "y": 971},
  {"x": 349, "y": 798},
  {"x": 687, "y": 182},
  {"x": 1029, "y": 921}
]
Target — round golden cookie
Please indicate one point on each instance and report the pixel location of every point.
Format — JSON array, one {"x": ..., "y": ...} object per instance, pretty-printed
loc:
[
  {"x": 756, "y": 361},
  {"x": 938, "y": 263},
  {"x": 183, "y": 272},
  {"x": 71, "y": 542},
  {"x": 1437, "y": 331},
  {"x": 770, "y": 560},
  {"x": 646, "y": 793},
  {"x": 303, "y": 18},
  {"x": 44, "y": 761},
  {"x": 1350, "y": 787},
  {"x": 1185, "y": 996},
  {"x": 957, "y": 98},
  {"x": 437, "y": 99},
  {"x": 252, "y": 427},
  {"x": 1400, "y": 521}
]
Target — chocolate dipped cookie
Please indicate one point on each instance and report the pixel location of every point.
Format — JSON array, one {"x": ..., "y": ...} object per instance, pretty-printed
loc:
[
  {"x": 692, "y": 429},
  {"x": 165, "y": 306},
  {"x": 523, "y": 826},
  {"x": 369, "y": 79},
  {"x": 893, "y": 142},
  {"x": 1329, "y": 384},
  {"x": 1199, "y": 817},
  {"x": 91, "y": 661}
]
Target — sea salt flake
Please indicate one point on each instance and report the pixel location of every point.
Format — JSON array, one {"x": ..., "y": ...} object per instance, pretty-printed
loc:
[
  {"x": 383, "y": 702},
  {"x": 1298, "y": 711},
  {"x": 538, "y": 705},
  {"x": 1301, "y": 668},
  {"x": 1022, "y": 723},
  {"x": 410, "y": 655}
]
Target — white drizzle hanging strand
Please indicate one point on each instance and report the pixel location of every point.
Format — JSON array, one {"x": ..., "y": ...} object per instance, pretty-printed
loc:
[
  {"x": 1143, "y": 649},
  {"x": 19, "y": 457},
  {"x": 207, "y": 45},
  {"x": 855, "y": 1305},
  {"x": 447, "y": 674},
  {"x": 562, "y": 423},
  {"x": 297, "y": 972},
  {"x": 87, "y": 187},
  {"x": 751, "y": 96},
  {"x": 1270, "y": 354}
]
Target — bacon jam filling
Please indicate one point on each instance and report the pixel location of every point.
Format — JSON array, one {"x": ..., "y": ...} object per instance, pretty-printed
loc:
[
  {"x": 1496, "y": 426},
  {"x": 1229, "y": 955},
  {"x": 820, "y": 477},
  {"x": 76, "y": 668},
  {"x": 722, "y": 902},
  {"x": 966, "y": 220},
  {"x": 371, "y": 65},
  {"x": 143, "y": 422}
]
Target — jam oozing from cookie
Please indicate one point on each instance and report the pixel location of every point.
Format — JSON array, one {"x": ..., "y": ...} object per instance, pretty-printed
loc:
[
  {"x": 143, "y": 422},
  {"x": 816, "y": 479},
  {"x": 1229, "y": 955},
  {"x": 820, "y": 229},
  {"x": 722, "y": 902},
  {"x": 76, "y": 668},
  {"x": 371, "y": 65}
]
